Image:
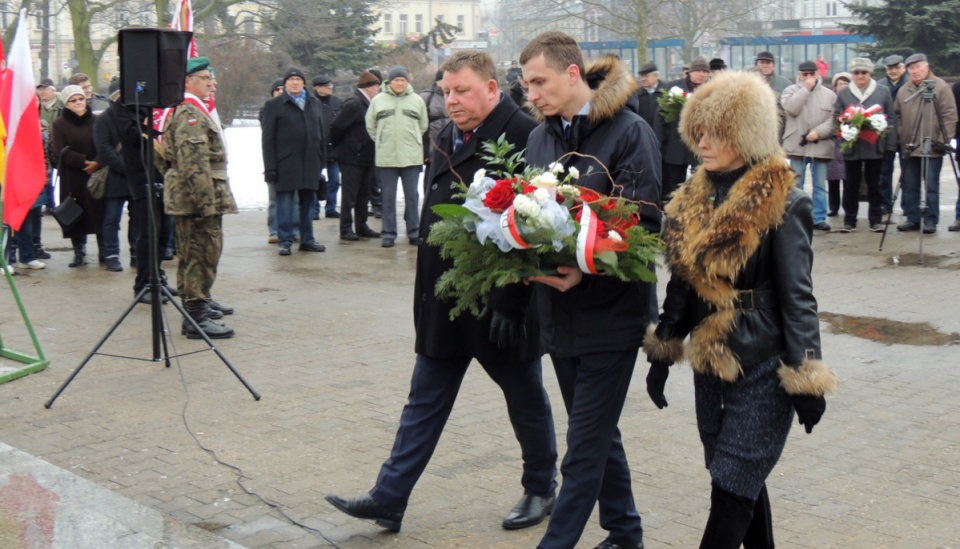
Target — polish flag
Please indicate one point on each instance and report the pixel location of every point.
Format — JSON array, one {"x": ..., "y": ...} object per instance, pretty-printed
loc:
[{"x": 25, "y": 172}]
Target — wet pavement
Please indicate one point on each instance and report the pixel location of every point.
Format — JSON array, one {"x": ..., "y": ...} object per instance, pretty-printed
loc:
[{"x": 327, "y": 340}]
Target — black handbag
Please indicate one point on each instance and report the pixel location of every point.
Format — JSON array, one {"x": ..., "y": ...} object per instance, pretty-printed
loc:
[{"x": 68, "y": 213}]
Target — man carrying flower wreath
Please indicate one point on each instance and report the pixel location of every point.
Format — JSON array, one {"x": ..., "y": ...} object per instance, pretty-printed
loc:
[
  {"x": 504, "y": 340},
  {"x": 592, "y": 325}
]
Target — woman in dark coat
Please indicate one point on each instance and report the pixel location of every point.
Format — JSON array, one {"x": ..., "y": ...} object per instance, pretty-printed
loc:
[
  {"x": 73, "y": 143},
  {"x": 738, "y": 238},
  {"x": 106, "y": 135}
]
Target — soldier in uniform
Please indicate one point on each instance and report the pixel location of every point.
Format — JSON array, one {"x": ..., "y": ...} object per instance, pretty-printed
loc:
[{"x": 197, "y": 195}]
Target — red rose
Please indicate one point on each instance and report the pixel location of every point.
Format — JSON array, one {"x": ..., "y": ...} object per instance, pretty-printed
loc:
[
  {"x": 528, "y": 189},
  {"x": 500, "y": 197}
]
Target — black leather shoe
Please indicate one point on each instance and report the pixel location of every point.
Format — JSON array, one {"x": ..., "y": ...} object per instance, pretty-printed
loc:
[
  {"x": 929, "y": 228},
  {"x": 333, "y": 215},
  {"x": 908, "y": 226},
  {"x": 610, "y": 544},
  {"x": 365, "y": 507},
  {"x": 312, "y": 247},
  {"x": 529, "y": 511},
  {"x": 367, "y": 232},
  {"x": 350, "y": 237},
  {"x": 219, "y": 307}
]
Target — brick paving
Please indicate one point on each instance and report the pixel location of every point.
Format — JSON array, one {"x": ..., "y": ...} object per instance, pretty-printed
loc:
[{"x": 327, "y": 339}]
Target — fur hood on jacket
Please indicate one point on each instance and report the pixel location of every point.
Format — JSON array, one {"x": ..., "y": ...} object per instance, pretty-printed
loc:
[{"x": 612, "y": 86}]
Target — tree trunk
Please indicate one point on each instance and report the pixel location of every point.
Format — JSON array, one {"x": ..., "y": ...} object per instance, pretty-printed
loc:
[{"x": 88, "y": 62}]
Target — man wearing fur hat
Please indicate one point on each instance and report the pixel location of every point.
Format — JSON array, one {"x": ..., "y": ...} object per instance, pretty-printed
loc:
[
  {"x": 677, "y": 158},
  {"x": 738, "y": 237},
  {"x": 396, "y": 121},
  {"x": 197, "y": 194},
  {"x": 592, "y": 325},
  {"x": 807, "y": 135},
  {"x": 293, "y": 157},
  {"x": 926, "y": 127}
]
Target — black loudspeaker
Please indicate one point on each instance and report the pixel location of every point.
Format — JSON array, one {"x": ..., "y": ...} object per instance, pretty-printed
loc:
[{"x": 153, "y": 66}]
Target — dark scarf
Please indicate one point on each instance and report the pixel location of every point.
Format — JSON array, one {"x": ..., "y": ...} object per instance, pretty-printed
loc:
[
  {"x": 76, "y": 120},
  {"x": 724, "y": 182}
]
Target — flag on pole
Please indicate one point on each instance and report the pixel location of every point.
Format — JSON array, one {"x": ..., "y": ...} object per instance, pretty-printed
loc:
[
  {"x": 3, "y": 126},
  {"x": 25, "y": 169}
]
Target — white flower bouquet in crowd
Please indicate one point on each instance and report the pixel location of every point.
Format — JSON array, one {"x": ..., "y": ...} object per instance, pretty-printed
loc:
[
  {"x": 671, "y": 103},
  {"x": 857, "y": 122}
]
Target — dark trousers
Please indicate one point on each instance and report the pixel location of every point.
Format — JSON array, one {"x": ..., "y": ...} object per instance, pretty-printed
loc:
[
  {"x": 869, "y": 171},
  {"x": 594, "y": 388},
  {"x": 433, "y": 390},
  {"x": 355, "y": 183},
  {"x": 672, "y": 176},
  {"x": 833, "y": 195},
  {"x": 139, "y": 213}
]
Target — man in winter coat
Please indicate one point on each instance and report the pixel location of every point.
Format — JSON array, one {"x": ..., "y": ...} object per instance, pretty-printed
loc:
[
  {"x": 293, "y": 156},
  {"x": 396, "y": 121},
  {"x": 106, "y": 137},
  {"x": 893, "y": 81},
  {"x": 436, "y": 113},
  {"x": 354, "y": 151},
  {"x": 504, "y": 341},
  {"x": 197, "y": 195},
  {"x": 651, "y": 89},
  {"x": 677, "y": 157},
  {"x": 329, "y": 107},
  {"x": 766, "y": 64},
  {"x": 808, "y": 134},
  {"x": 592, "y": 326},
  {"x": 926, "y": 126}
]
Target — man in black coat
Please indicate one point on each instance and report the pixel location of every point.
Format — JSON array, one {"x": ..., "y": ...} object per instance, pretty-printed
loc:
[
  {"x": 592, "y": 325},
  {"x": 106, "y": 137},
  {"x": 329, "y": 107},
  {"x": 354, "y": 151},
  {"x": 293, "y": 156},
  {"x": 677, "y": 157},
  {"x": 650, "y": 90},
  {"x": 497, "y": 339}
]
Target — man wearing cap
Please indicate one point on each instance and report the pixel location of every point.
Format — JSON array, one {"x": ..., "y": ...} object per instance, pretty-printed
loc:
[
  {"x": 354, "y": 151},
  {"x": 766, "y": 64},
  {"x": 50, "y": 103},
  {"x": 651, "y": 89},
  {"x": 893, "y": 82},
  {"x": 926, "y": 127},
  {"x": 293, "y": 156},
  {"x": 95, "y": 102},
  {"x": 807, "y": 135},
  {"x": 329, "y": 107},
  {"x": 676, "y": 157},
  {"x": 197, "y": 194},
  {"x": 396, "y": 121}
]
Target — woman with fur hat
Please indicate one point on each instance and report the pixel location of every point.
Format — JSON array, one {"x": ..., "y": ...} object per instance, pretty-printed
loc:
[{"x": 738, "y": 238}]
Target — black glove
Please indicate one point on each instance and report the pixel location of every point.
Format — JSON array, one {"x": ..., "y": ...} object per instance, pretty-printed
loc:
[
  {"x": 505, "y": 332},
  {"x": 809, "y": 409},
  {"x": 656, "y": 381},
  {"x": 270, "y": 176}
]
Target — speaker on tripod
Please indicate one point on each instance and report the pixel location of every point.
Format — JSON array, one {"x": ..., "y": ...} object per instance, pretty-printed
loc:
[{"x": 153, "y": 66}]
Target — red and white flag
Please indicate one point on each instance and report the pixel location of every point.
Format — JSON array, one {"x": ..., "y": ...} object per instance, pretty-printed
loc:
[{"x": 25, "y": 173}]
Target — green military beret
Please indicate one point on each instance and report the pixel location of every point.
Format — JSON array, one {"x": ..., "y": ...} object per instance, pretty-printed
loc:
[{"x": 197, "y": 64}]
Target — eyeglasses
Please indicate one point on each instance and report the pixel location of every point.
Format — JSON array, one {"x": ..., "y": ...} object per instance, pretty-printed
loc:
[
  {"x": 861, "y": 72},
  {"x": 77, "y": 100}
]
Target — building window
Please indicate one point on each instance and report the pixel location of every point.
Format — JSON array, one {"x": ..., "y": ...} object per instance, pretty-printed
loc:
[
  {"x": 388, "y": 23},
  {"x": 460, "y": 23},
  {"x": 418, "y": 24},
  {"x": 403, "y": 25},
  {"x": 831, "y": 9}
]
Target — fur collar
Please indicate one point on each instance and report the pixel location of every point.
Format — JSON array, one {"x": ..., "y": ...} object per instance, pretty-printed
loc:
[
  {"x": 709, "y": 248},
  {"x": 611, "y": 83}
]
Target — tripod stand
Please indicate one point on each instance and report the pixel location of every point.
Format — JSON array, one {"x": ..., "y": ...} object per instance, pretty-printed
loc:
[
  {"x": 925, "y": 150},
  {"x": 155, "y": 287}
]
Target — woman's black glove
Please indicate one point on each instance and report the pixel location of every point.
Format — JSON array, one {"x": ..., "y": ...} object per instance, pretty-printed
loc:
[
  {"x": 505, "y": 332},
  {"x": 656, "y": 381},
  {"x": 270, "y": 176},
  {"x": 809, "y": 409}
]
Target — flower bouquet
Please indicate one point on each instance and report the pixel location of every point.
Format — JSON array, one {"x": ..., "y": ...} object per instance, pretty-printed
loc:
[
  {"x": 671, "y": 103},
  {"x": 526, "y": 224},
  {"x": 857, "y": 123}
]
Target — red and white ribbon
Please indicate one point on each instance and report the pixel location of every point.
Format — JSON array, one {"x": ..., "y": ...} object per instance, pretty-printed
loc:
[
  {"x": 508, "y": 225},
  {"x": 586, "y": 240}
]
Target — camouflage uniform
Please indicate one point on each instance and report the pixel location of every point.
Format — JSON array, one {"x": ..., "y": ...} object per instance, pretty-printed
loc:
[{"x": 197, "y": 194}]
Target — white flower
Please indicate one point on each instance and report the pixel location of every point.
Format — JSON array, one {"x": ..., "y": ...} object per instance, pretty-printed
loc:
[
  {"x": 479, "y": 175},
  {"x": 574, "y": 173},
  {"x": 848, "y": 132},
  {"x": 556, "y": 168},
  {"x": 569, "y": 190},
  {"x": 878, "y": 122},
  {"x": 676, "y": 91},
  {"x": 541, "y": 195},
  {"x": 546, "y": 180},
  {"x": 526, "y": 206},
  {"x": 615, "y": 236}
]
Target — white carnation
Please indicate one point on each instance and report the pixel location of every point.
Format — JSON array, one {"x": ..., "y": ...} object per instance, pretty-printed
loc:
[
  {"x": 556, "y": 168},
  {"x": 878, "y": 122},
  {"x": 574, "y": 173},
  {"x": 479, "y": 175},
  {"x": 848, "y": 132},
  {"x": 541, "y": 195},
  {"x": 546, "y": 180},
  {"x": 526, "y": 206},
  {"x": 676, "y": 91}
]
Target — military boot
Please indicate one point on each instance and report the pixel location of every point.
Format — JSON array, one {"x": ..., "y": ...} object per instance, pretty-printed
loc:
[{"x": 198, "y": 312}]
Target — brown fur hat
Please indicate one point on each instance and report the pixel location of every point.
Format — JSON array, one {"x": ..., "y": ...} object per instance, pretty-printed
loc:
[{"x": 738, "y": 108}]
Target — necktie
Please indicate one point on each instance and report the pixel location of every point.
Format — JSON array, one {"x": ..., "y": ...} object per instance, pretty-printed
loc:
[
  {"x": 566, "y": 131},
  {"x": 458, "y": 141}
]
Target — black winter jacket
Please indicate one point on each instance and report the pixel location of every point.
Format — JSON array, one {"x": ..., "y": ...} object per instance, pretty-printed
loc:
[
  {"x": 647, "y": 106},
  {"x": 329, "y": 107},
  {"x": 466, "y": 336},
  {"x": 293, "y": 143},
  {"x": 351, "y": 142},
  {"x": 602, "y": 313},
  {"x": 672, "y": 148},
  {"x": 106, "y": 136}
]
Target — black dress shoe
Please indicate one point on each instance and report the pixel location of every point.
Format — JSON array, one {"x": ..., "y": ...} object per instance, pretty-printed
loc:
[
  {"x": 367, "y": 232},
  {"x": 929, "y": 228},
  {"x": 529, "y": 511},
  {"x": 908, "y": 226},
  {"x": 312, "y": 247},
  {"x": 365, "y": 507},
  {"x": 352, "y": 237},
  {"x": 333, "y": 215},
  {"x": 610, "y": 544}
]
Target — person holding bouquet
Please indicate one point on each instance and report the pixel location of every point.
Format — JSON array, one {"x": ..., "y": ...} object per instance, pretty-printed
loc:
[
  {"x": 592, "y": 325},
  {"x": 504, "y": 340},
  {"x": 863, "y": 156},
  {"x": 738, "y": 240}
]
